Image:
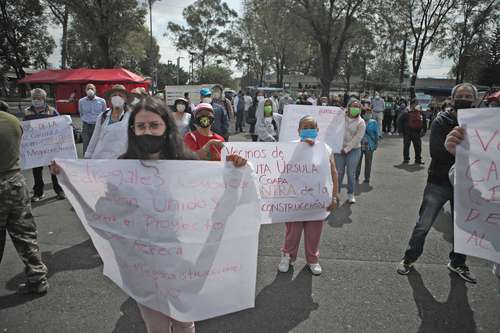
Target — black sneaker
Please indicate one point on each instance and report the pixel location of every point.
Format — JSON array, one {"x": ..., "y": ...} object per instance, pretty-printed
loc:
[
  {"x": 33, "y": 288},
  {"x": 60, "y": 196},
  {"x": 406, "y": 161},
  {"x": 419, "y": 162},
  {"x": 463, "y": 272},
  {"x": 405, "y": 267}
]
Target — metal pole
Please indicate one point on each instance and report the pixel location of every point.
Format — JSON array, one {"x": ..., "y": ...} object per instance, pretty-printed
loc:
[
  {"x": 178, "y": 68},
  {"x": 151, "y": 44}
]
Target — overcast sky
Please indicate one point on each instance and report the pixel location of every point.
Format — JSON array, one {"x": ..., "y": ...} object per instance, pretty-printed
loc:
[{"x": 171, "y": 10}]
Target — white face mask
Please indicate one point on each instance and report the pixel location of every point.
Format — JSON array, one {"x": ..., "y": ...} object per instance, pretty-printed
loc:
[
  {"x": 38, "y": 104},
  {"x": 260, "y": 98},
  {"x": 206, "y": 100},
  {"x": 180, "y": 107},
  {"x": 90, "y": 93},
  {"x": 268, "y": 120},
  {"x": 117, "y": 101}
]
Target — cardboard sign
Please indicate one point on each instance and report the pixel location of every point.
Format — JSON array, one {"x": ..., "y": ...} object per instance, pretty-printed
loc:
[
  {"x": 46, "y": 139},
  {"x": 294, "y": 179},
  {"x": 477, "y": 185},
  {"x": 174, "y": 235},
  {"x": 330, "y": 119}
]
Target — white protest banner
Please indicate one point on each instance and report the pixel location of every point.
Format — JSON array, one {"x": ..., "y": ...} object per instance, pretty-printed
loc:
[
  {"x": 331, "y": 123},
  {"x": 46, "y": 139},
  {"x": 180, "y": 237},
  {"x": 295, "y": 180},
  {"x": 477, "y": 185}
]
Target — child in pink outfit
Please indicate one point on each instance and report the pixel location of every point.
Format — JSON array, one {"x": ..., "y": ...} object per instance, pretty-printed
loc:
[{"x": 308, "y": 131}]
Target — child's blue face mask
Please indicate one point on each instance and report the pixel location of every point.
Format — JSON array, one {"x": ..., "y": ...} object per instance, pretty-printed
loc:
[{"x": 311, "y": 133}]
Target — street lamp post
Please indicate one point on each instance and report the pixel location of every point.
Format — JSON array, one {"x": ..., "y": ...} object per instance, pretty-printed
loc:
[
  {"x": 178, "y": 68},
  {"x": 192, "y": 54}
]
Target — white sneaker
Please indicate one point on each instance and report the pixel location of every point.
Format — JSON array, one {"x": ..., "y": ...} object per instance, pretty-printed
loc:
[
  {"x": 284, "y": 264},
  {"x": 351, "y": 199},
  {"x": 315, "y": 269}
]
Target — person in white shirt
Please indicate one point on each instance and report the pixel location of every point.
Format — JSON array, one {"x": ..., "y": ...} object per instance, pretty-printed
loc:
[
  {"x": 110, "y": 137},
  {"x": 268, "y": 122},
  {"x": 349, "y": 157}
]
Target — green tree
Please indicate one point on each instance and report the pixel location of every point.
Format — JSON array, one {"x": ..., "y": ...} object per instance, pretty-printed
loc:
[
  {"x": 167, "y": 75},
  {"x": 206, "y": 33},
  {"x": 425, "y": 19},
  {"x": 60, "y": 11},
  {"x": 328, "y": 23},
  {"x": 466, "y": 34},
  {"x": 489, "y": 73},
  {"x": 99, "y": 30},
  {"x": 217, "y": 74},
  {"x": 277, "y": 32},
  {"x": 25, "y": 41}
]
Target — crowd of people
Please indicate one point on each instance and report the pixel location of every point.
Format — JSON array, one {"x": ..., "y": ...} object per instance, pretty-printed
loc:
[{"x": 134, "y": 125}]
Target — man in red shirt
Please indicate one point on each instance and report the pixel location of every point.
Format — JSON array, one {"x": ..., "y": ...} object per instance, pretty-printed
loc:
[{"x": 203, "y": 141}]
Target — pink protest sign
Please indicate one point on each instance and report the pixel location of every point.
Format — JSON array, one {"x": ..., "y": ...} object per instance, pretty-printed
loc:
[{"x": 477, "y": 185}]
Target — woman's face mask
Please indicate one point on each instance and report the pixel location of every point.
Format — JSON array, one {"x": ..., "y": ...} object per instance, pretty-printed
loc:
[
  {"x": 260, "y": 98},
  {"x": 354, "y": 111},
  {"x": 205, "y": 121},
  {"x": 367, "y": 116},
  {"x": 268, "y": 111},
  {"x": 150, "y": 144},
  {"x": 38, "y": 103},
  {"x": 117, "y": 101}
]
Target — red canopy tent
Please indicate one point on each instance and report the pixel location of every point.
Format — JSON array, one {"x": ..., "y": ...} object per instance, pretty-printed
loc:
[{"x": 71, "y": 83}]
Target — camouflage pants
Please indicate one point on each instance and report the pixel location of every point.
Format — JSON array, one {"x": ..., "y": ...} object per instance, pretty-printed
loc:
[{"x": 14, "y": 219}]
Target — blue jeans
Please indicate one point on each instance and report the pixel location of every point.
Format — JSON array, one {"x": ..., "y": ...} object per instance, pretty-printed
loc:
[
  {"x": 349, "y": 161},
  {"x": 435, "y": 196}
]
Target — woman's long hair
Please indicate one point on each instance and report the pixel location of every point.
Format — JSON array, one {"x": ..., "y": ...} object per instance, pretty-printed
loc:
[{"x": 173, "y": 149}]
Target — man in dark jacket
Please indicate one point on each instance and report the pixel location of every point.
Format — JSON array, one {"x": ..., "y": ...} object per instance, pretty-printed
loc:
[
  {"x": 439, "y": 190},
  {"x": 40, "y": 109},
  {"x": 413, "y": 126}
]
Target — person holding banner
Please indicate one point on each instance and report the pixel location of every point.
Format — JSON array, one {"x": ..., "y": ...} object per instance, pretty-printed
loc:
[
  {"x": 308, "y": 132},
  {"x": 348, "y": 158},
  {"x": 454, "y": 138},
  {"x": 268, "y": 121},
  {"x": 439, "y": 189},
  {"x": 203, "y": 141},
  {"x": 153, "y": 136},
  {"x": 110, "y": 134},
  {"x": 40, "y": 109},
  {"x": 15, "y": 209}
]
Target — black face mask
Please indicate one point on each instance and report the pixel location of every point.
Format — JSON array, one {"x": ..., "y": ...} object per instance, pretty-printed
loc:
[
  {"x": 150, "y": 143},
  {"x": 462, "y": 104}
]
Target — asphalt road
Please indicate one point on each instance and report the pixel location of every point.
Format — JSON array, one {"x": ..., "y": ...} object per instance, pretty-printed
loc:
[{"x": 359, "y": 290}]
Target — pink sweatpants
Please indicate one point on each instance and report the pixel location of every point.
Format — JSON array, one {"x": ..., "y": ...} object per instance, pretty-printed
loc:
[
  {"x": 157, "y": 322},
  {"x": 312, "y": 236}
]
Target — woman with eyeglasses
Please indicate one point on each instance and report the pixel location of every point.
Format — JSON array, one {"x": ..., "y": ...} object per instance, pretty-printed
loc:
[{"x": 153, "y": 135}]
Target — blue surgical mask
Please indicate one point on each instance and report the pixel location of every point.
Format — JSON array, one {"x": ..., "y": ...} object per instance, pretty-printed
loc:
[{"x": 311, "y": 133}]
